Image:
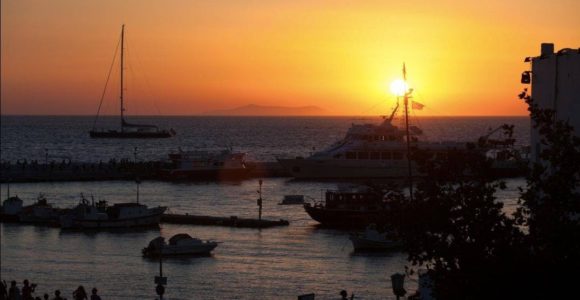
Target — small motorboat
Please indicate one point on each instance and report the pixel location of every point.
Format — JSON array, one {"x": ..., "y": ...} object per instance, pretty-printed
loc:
[
  {"x": 179, "y": 244},
  {"x": 292, "y": 200},
  {"x": 373, "y": 239}
]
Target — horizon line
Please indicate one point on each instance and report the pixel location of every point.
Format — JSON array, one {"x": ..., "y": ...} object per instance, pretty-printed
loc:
[{"x": 209, "y": 115}]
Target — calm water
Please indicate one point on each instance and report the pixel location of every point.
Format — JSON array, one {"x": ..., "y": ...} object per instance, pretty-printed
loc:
[
  {"x": 277, "y": 263},
  {"x": 263, "y": 138}
]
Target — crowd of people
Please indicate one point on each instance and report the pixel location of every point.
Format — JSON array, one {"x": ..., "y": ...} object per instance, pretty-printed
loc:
[{"x": 28, "y": 289}]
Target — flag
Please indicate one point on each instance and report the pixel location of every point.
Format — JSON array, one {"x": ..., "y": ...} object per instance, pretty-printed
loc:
[{"x": 416, "y": 105}]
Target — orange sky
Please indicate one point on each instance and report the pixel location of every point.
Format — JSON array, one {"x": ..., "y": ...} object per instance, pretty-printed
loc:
[{"x": 187, "y": 57}]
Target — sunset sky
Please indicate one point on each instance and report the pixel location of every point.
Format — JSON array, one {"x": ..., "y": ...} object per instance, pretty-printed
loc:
[{"x": 188, "y": 57}]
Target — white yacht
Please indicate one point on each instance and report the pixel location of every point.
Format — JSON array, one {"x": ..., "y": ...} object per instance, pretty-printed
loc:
[
  {"x": 367, "y": 151},
  {"x": 179, "y": 244}
]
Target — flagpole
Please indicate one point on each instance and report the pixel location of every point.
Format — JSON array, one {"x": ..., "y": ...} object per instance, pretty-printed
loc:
[{"x": 406, "y": 100}]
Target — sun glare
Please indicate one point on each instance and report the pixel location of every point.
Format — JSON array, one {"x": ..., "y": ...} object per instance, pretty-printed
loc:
[{"x": 399, "y": 87}]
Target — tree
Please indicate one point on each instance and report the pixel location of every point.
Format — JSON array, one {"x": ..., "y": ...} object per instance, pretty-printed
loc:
[{"x": 455, "y": 226}]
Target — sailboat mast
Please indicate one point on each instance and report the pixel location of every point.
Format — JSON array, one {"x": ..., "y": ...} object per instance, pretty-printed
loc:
[
  {"x": 122, "y": 62},
  {"x": 406, "y": 99}
]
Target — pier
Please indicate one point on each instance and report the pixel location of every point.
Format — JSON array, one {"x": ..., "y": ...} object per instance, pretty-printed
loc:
[
  {"x": 33, "y": 171},
  {"x": 232, "y": 221}
]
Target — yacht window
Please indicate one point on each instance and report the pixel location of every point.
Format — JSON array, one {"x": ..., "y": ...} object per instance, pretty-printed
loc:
[
  {"x": 376, "y": 137},
  {"x": 351, "y": 155},
  {"x": 338, "y": 155},
  {"x": 391, "y": 138},
  {"x": 375, "y": 155},
  {"x": 363, "y": 155},
  {"x": 397, "y": 155},
  {"x": 386, "y": 155}
]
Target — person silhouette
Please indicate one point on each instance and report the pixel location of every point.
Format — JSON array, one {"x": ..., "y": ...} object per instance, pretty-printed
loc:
[
  {"x": 80, "y": 293},
  {"x": 27, "y": 290},
  {"x": 13, "y": 292},
  {"x": 57, "y": 295},
  {"x": 94, "y": 295},
  {"x": 3, "y": 290}
]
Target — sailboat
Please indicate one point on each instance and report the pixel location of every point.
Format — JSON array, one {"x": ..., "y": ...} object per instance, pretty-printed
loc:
[{"x": 129, "y": 130}]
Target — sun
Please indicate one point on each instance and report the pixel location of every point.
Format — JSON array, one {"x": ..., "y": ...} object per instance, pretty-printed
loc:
[{"x": 399, "y": 87}]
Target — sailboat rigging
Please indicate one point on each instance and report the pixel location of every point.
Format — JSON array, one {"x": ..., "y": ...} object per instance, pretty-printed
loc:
[{"x": 128, "y": 130}]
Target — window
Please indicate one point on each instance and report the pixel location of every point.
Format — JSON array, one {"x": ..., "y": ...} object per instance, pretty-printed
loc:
[
  {"x": 363, "y": 155},
  {"x": 386, "y": 155},
  {"x": 351, "y": 155},
  {"x": 397, "y": 155},
  {"x": 375, "y": 155}
]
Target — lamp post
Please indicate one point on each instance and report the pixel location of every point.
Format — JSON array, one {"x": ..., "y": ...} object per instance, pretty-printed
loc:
[
  {"x": 160, "y": 280},
  {"x": 398, "y": 285},
  {"x": 260, "y": 202}
]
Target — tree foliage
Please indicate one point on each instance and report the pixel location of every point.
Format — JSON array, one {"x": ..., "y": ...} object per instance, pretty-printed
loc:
[{"x": 456, "y": 227}]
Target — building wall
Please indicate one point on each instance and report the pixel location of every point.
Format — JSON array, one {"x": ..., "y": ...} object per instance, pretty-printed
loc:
[{"x": 556, "y": 85}]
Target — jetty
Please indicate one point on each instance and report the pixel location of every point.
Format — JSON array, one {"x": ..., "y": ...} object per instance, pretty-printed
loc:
[
  {"x": 33, "y": 171},
  {"x": 232, "y": 221}
]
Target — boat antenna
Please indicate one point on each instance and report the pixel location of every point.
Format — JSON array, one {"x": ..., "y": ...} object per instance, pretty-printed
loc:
[
  {"x": 122, "y": 62},
  {"x": 394, "y": 111},
  {"x": 406, "y": 96}
]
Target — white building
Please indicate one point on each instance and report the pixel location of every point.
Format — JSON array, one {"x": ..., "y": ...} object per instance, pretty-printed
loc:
[{"x": 555, "y": 80}]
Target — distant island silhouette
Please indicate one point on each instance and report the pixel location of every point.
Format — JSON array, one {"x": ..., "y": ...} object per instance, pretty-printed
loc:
[{"x": 259, "y": 110}]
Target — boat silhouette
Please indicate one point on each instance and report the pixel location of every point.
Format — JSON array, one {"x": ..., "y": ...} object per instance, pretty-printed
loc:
[{"x": 128, "y": 130}]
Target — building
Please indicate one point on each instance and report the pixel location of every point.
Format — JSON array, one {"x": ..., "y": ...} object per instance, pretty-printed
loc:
[{"x": 555, "y": 79}]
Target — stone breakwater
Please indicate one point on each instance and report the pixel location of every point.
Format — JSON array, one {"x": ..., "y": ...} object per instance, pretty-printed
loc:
[{"x": 65, "y": 170}]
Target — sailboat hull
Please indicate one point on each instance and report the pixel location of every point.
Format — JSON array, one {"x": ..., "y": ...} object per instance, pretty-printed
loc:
[{"x": 130, "y": 134}]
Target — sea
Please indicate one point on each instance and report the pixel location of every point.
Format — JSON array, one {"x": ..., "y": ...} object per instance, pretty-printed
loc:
[{"x": 274, "y": 263}]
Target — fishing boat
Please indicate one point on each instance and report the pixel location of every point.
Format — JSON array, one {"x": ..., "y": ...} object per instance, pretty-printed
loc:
[
  {"x": 127, "y": 130},
  {"x": 41, "y": 212},
  {"x": 99, "y": 215},
  {"x": 206, "y": 165},
  {"x": 179, "y": 244}
]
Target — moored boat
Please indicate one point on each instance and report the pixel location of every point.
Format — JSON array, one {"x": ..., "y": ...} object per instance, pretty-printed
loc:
[
  {"x": 373, "y": 239},
  {"x": 120, "y": 215},
  {"x": 367, "y": 151},
  {"x": 179, "y": 244},
  {"x": 40, "y": 212},
  {"x": 206, "y": 165},
  {"x": 292, "y": 200},
  {"x": 349, "y": 208},
  {"x": 11, "y": 209},
  {"x": 128, "y": 130}
]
